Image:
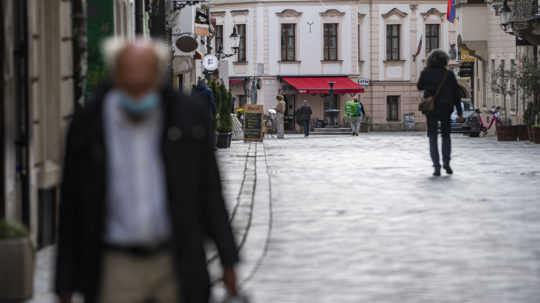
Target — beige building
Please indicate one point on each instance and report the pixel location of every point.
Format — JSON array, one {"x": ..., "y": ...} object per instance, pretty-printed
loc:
[
  {"x": 36, "y": 108},
  {"x": 372, "y": 43},
  {"x": 481, "y": 34}
]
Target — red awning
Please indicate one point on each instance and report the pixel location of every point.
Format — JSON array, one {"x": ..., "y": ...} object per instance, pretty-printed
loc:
[
  {"x": 236, "y": 81},
  {"x": 319, "y": 85}
]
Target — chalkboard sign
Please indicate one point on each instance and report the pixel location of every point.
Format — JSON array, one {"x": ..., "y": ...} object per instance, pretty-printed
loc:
[{"x": 253, "y": 123}]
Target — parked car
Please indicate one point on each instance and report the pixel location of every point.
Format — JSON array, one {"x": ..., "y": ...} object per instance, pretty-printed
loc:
[{"x": 470, "y": 125}]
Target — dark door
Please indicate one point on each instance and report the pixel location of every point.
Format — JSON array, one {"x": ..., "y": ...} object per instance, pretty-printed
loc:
[{"x": 289, "y": 112}]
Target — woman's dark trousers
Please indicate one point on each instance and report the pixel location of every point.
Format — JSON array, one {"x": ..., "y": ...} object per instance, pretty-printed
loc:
[
  {"x": 433, "y": 127},
  {"x": 305, "y": 124}
]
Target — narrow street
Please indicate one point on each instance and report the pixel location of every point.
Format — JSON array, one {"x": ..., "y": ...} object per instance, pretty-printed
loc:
[{"x": 362, "y": 220}]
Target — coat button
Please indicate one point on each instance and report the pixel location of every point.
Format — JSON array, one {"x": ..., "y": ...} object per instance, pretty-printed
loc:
[{"x": 174, "y": 134}]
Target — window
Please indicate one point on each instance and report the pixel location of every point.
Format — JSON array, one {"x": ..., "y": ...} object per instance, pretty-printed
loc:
[
  {"x": 432, "y": 37},
  {"x": 330, "y": 42},
  {"x": 514, "y": 105},
  {"x": 392, "y": 108},
  {"x": 288, "y": 42},
  {"x": 242, "y": 56},
  {"x": 219, "y": 38},
  {"x": 392, "y": 41}
]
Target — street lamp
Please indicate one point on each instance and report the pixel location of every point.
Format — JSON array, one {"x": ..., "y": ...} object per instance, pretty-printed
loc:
[
  {"x": 235, "y": 41},
  {"x": 505, "y": 15},
  {"x": 235, "y": 38}
]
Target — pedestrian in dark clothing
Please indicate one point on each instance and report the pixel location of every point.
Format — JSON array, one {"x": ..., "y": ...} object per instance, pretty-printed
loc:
[
  {"x": 448, "y": 98},
  {"x": 206, "y": 97},
  {"x": 304, "y": 113},
  {"x": 141, "y": 191}
]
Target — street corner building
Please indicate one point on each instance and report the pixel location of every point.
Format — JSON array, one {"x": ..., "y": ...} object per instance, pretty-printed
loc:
[{"x": 373, "y": 49}]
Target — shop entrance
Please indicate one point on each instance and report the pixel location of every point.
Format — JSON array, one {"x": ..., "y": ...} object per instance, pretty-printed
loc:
[{"x": 289, "y": 112}]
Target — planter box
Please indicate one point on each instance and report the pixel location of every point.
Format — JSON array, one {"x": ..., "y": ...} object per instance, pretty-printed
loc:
[
  {"x": 536, "y": 134},
  {"x": 224, "y": 140},
  {"x": 16, "y": 270},
  {"x": 507, "y": 133},
  {"x": 523, "y": 132},
  {"x": 364, "y": 127},
  {"x": 531, "y": 134}
]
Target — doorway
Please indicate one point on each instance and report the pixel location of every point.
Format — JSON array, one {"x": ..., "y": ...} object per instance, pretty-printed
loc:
[{"x": 290, "y": 109}]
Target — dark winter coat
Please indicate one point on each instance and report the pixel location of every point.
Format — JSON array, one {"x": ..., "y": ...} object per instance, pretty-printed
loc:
[
  {"x": 304, "y": 113},
  {"x": 195, "y": 201},
  {"x": 448, "y": 97},
  {"x": 202, "y": 93}
]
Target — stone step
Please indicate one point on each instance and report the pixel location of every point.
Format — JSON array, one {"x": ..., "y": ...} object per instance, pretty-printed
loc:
[{"x": 332, "y": 131}]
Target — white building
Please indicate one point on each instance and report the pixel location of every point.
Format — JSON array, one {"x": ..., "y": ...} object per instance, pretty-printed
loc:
[{"x": 356, "y": 40}]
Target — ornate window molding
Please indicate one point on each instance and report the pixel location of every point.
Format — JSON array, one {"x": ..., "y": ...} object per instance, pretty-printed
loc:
[
  {"x": 243, "y": 12},
  {"x": 332, "y": 13},
  {"x": 218, "y": 14},
  {"x": 433, "y": 12},
  {"x": 289, "y": 13},
  {"x": 396, "y": 12}
]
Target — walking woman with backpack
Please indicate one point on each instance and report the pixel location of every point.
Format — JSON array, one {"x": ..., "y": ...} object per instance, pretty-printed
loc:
[{"x": 440, "y": 96}]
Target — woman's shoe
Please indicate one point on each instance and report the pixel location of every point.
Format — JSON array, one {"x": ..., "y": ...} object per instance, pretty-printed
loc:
[
  {"x": 437, "y": 172},
  {"x": 448, "y": 169}
]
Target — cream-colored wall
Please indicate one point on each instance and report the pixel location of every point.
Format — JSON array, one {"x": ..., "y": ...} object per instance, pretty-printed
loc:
[{"x": 263, "y": 19}]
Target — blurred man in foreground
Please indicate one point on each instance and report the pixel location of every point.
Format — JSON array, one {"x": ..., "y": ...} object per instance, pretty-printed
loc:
[{"x": 141, "y": 191}]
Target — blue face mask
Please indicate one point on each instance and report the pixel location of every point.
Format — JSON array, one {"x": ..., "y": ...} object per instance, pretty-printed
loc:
[{"x": 140, "y": 107}]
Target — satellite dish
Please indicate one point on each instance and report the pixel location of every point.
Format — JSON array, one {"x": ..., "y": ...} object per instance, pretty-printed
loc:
[{"x": 187, "y": 43}]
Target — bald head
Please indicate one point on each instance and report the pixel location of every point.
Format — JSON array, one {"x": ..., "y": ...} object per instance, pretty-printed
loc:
[
  {"x": 138, "y": 66},
  {"x": 137, "y": 70}
]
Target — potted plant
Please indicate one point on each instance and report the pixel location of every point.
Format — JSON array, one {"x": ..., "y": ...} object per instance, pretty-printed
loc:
[
  {"x": 503, "y": 83},
  {"x": 535, "y": 133},
  {"x": 364, "y": 125},
  {"x": 17, "y": 259},
  {"x": 224, "y": 120}
]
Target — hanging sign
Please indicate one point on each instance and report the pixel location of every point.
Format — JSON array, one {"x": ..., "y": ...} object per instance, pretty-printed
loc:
[
  {"x": 253, "y": 123},
  {"x": 202, "y": 24},
  {"x": 210, "y": 63}
]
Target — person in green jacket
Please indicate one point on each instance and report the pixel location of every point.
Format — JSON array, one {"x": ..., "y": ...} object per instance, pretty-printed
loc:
[{"x": 354, "y": 111}]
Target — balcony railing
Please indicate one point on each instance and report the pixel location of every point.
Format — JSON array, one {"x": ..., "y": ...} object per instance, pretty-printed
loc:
[{"x": 525, "y": 10}]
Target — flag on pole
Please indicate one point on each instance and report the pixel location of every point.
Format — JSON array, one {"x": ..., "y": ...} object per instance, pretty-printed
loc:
[
  {"x": 419, "y": 49},
  {"x": 451, "y": 11}
]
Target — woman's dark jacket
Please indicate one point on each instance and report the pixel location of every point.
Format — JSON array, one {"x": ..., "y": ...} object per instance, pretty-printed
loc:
[
  {"x": 195, "y": 202},
  {"x": 448, "y": 97}
]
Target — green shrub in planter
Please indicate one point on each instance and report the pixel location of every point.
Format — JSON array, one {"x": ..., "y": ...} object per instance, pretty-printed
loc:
[
  {"x": 224, "y": 123},
  {"x": 17, "y": 262}
]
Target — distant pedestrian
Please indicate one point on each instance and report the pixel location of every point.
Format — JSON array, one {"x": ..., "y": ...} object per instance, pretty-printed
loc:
[
  {"x": 304, "y": 113},
  {"x": 354, "y": 111},
  {"x": 141, "y": 191},
  {"x": 280, "y": 116},
  {"x": 203, "y": 94},
  {"x": 436, "y": 80}
]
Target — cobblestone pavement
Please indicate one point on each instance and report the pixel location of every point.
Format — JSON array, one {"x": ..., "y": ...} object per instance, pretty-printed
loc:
[{"x": 360, "y": 219}]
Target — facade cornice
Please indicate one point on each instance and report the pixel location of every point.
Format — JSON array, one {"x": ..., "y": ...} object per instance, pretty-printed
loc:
[
  {"x": 434, "y": 12},
  {"x": 218, "y": 13},
  {"x": 393, "y": 12},
  {"x": 289, "y": 13},
  {"x": 240, "y": 12},
  {"x": 332, "y": 13}
]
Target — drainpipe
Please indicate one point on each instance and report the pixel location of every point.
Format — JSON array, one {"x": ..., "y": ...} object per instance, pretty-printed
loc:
[
  {"x": 2, "y": 122},
  {"x": 22, "y": 107}
]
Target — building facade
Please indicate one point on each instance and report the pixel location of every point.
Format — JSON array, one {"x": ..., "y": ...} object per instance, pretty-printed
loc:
[
  {"x": 372, "y": 43},
  {"x": 488, "y": 44},
  {"x": 38, "y": 102}
]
